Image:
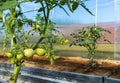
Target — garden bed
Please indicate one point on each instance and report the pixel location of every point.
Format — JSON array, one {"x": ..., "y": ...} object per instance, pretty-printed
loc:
[{"x": 106, "y": 68}]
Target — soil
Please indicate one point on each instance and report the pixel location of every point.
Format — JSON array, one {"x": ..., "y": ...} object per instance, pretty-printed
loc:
[{"x": 108, "y": 68}]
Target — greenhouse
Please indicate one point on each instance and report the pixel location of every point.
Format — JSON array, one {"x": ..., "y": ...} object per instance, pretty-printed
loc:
[{"x": 59, "y": 41}]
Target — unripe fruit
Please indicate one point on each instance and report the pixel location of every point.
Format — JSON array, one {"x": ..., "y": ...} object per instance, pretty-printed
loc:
[
  {"x": 20, "y": 57},
  {"x": 37, "y": 26},
  {"x": 9, "y": 55},
  {"x": 28, "y": 53},
  {"x": 13, "y": 61},
  {"x": 66, "y": 41},
  {"x": 40, "y": 51}
]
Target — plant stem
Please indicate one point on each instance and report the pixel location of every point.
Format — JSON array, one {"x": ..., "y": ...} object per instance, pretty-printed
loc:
[
  {"x": 44, "y": 12},
  {"x": 16, "y": 73},
  {"x": 46, "y": 17},
  {"x": 13, "y": 42}
]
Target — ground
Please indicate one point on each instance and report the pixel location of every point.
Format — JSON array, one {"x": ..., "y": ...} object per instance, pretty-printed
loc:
[{"x": 108, "y": 68}]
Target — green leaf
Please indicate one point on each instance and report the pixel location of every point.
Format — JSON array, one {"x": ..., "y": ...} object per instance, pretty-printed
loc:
[
  {"x": 8, "y": 4},
  {"x": 69, "y": 5},
  {"x": 40, "y": 9},
  {"x": 71, "y": 43},
  {"x": 75, "y": 5},
  {"x": 64, "y": 9},
  {"x": 83, "y": 5},
  {"x": 62, "y": 2},
  {"x": 0, "y": 14}
]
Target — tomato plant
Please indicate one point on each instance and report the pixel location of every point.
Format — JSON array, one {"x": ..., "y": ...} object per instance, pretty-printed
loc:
[
  {"x": 14, "y": 29},
  {"x": 13, "y": 26},
  {"x": 88, "y": 37}
]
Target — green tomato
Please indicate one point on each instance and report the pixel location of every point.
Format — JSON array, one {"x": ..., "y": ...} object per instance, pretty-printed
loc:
[
  {"x": 40, "y": 51},
  {"x": 9, "y": 55},
  {"x": 20, "y": 57},
  {"x": 66, "y": 41},
  {"x": 28, "y": 53},
  {"x": 13, "y": 61}
]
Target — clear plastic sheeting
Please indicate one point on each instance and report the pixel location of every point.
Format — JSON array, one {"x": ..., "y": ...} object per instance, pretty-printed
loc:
[{"x": 117, "y": 29}]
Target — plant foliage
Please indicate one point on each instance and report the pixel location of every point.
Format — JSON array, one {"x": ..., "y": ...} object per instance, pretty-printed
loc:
[
  {"x": 13, "y": 25},
  {"x": 88, "y": 37}
]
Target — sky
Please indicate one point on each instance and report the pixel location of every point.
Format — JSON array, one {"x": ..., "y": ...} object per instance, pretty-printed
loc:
[{"x": 107, "y": 11}]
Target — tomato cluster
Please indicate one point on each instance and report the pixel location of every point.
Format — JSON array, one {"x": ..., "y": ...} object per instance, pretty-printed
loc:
[{"x": 28, "y": 53}]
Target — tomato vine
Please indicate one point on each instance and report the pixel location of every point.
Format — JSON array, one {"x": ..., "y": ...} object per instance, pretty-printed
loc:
[{"x": 14, "y": 28}]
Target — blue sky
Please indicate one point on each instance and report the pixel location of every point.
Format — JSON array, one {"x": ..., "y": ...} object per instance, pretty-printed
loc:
[{"x": 107, "y": 12}]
